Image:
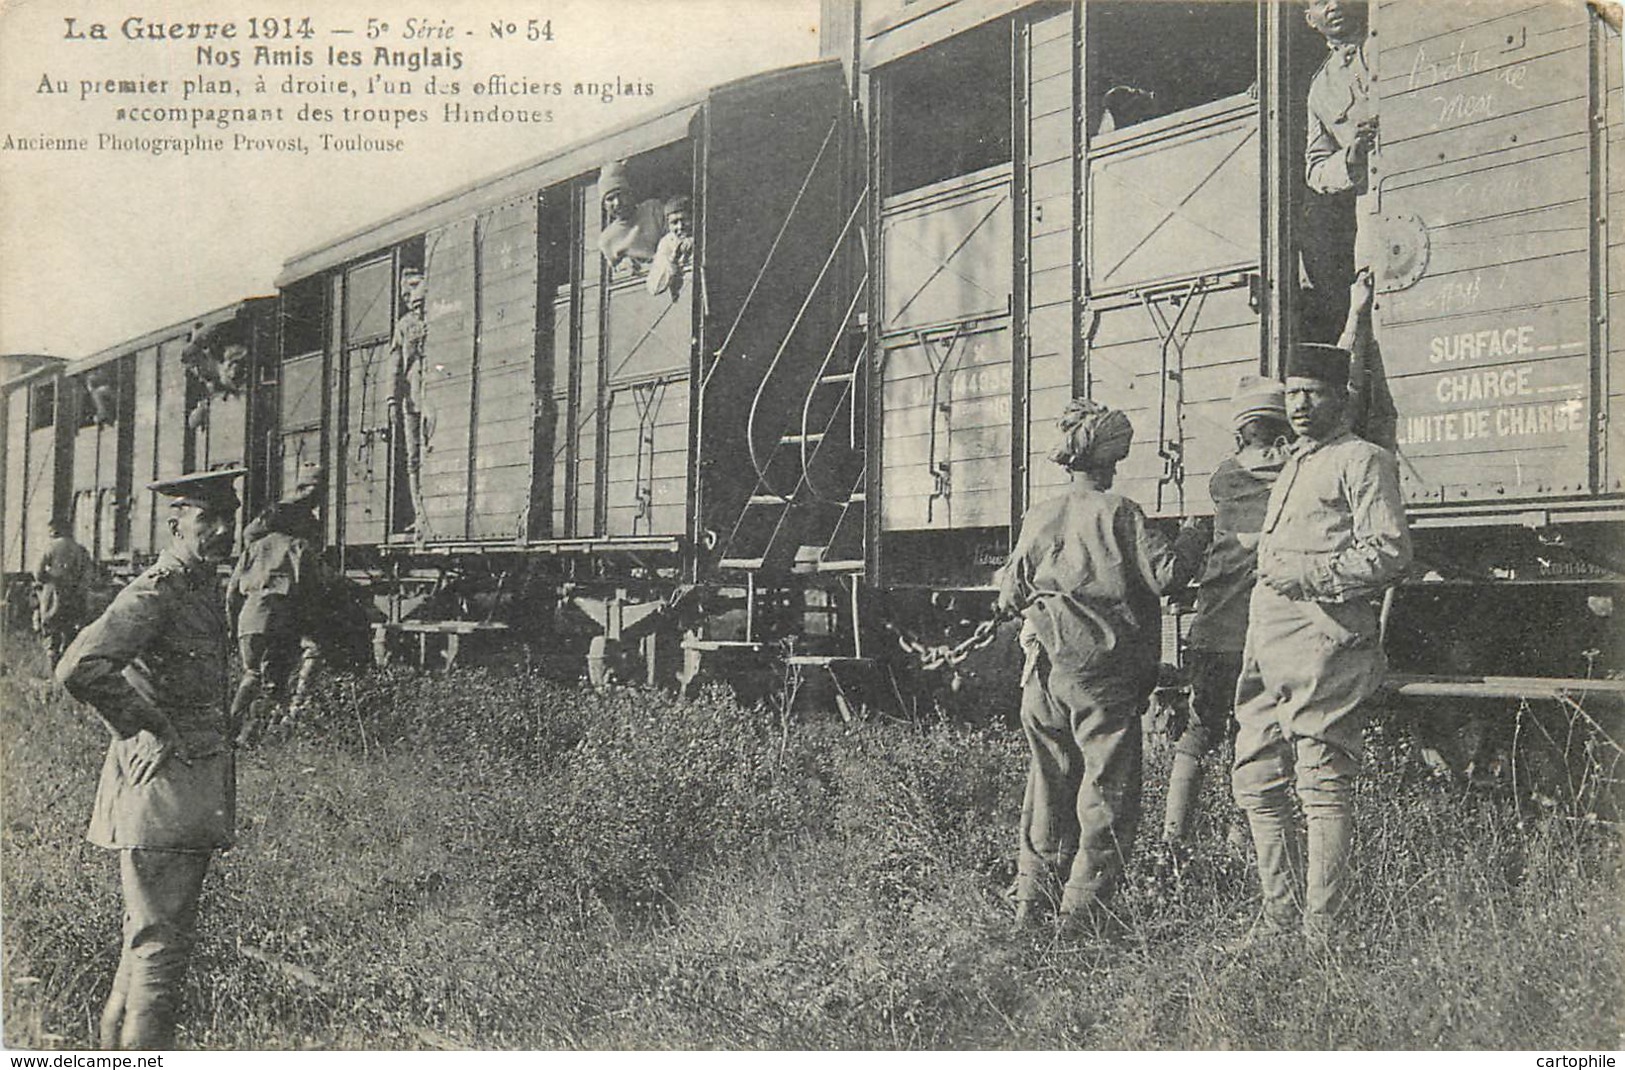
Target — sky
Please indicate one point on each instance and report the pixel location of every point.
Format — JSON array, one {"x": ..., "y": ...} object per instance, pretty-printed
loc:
[{"x": 104, "y": 245}]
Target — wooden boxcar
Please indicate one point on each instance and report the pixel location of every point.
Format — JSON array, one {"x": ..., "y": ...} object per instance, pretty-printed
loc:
[
  {"x": 575, "y": 426},
  {"x": 28, "y": 453},
  {"x": 84, "y": 438},
  {"x": 1033, "y": 241}
]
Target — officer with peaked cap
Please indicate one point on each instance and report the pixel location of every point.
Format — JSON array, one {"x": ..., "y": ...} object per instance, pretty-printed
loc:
[
  {"x": 1086, "y": 575},
  {"x": 1334, "y": 537},
  {"x": 154, "y": 667},
  {"x": 1239, "y": 489}
]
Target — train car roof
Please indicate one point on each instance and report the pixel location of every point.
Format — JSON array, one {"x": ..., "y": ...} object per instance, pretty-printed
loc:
[
  {"x": 669, "y": 124},
  {"x": 16, "y": 367},
  {"x": 153, "y": 337}
]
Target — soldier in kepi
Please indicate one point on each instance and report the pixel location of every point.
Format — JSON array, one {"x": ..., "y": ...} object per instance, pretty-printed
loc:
[
  {"x": 1240, "y": 488},
  {"x": 63, "y": 580},
  {"x": 274, "y": 596},
  {"x": 154, "y": 668},
  {"x": 1334, "y": 538},
  {"x": 1087, "y": 575}
]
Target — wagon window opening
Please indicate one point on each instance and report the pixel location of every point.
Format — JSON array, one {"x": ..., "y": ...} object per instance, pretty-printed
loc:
[
  {"x": 99, "y": 405},
  {"x": 42, "y": 406},
  {"x": 302, "y": 318},
  {"x": 1150, "y": 60},
  {"x": 368, "y": 301},
  {"x": 654, "y": 182},
  {"x": 947, "y": 110}
]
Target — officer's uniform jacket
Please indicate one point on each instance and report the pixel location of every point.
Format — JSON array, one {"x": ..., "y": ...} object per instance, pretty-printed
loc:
[
  {"x": 1335, "y": 525},
  {"x": 161, "y": 645},
  {"x": 1339, "y": 100},
  {"x": 1240, "y": 490}
]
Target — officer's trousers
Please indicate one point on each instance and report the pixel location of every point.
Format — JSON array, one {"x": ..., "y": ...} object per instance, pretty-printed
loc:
[
  {"x": 161, "y": 891},
  {"x": 1306, "y": 671},
  {"x": 1082, "y": 806}
]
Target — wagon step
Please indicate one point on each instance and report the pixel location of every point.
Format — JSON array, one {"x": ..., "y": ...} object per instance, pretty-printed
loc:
[{"x": 748, "y": 564}]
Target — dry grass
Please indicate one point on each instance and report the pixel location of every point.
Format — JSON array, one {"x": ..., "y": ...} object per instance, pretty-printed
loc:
[{"x": 478, "y": 861}]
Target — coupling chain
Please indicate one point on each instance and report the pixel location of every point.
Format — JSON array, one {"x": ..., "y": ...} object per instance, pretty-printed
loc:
[{"x": 947, "y": 655}]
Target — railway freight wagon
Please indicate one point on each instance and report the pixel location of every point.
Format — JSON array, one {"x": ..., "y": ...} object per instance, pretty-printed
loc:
[
  {"x": 85, "y": 438},
  {"x": 518, "y": 430},
  {"x": 1108, "y": 198},
  {"x": 28, "y": 451}
]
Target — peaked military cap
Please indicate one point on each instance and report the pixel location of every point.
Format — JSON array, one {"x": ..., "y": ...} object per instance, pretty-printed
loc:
[
  {"x": 206, "y": 490},
  {"x": 1316, "y": 360}
]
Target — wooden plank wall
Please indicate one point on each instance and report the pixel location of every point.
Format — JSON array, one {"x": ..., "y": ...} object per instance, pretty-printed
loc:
[
  {"x": 19, "y": 482},
  {"x": 504, "y": 398},
  {"x": 1050, "y": 346},
  {"x": 450, "y": 272},
  {"x": 972, "y": 433},
  {"x": 1125, "y": 370},
  {"x": 647, "y": 350},
  {"x": 170, "y": 434},
  {"x": 150, "y": 402},
  {"x": 589, "y": 370},
  {"x": 1611, "y": 477},
  {"x": 43, "y": 479},
  {"x": 1486, "y": 141},
  {"x": 564, "y": 419},
  {"x": 964, "y": 224}
]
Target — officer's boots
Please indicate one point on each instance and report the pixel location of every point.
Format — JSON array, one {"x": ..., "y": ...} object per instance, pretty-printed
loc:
[
  {"x": 1280, "y": 867},
  {"x": 1331, "y": 839}
]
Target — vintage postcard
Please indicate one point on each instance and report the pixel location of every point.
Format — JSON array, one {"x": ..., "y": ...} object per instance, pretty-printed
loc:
[{"x": 812, "y": 524}]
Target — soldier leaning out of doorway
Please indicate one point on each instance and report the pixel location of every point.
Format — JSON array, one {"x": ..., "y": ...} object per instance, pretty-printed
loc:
[{"x": 1339, "y": 230}]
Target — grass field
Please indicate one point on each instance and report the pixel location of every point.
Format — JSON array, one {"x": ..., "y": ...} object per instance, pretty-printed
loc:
[{"x": 472, "y": 860}]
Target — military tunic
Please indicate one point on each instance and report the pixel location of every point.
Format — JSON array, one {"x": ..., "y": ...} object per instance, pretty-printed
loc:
[
  {"x": 1334, "y": 537},
  {"x": 1240, "y": 489},
  {"x": 64, "y": 575},
  {"x": 161, "y": 645},
  {"x": 1087, "y": 574}
]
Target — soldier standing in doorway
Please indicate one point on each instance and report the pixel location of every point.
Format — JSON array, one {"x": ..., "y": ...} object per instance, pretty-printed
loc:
[
  {"x": 154, "y": 668},
  {"x": 408, "y": 346},
  {"x": 1338, "y": 255}
]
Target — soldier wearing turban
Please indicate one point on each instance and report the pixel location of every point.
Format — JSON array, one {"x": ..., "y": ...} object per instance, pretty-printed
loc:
[{"x": 1086, "y": 575}]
